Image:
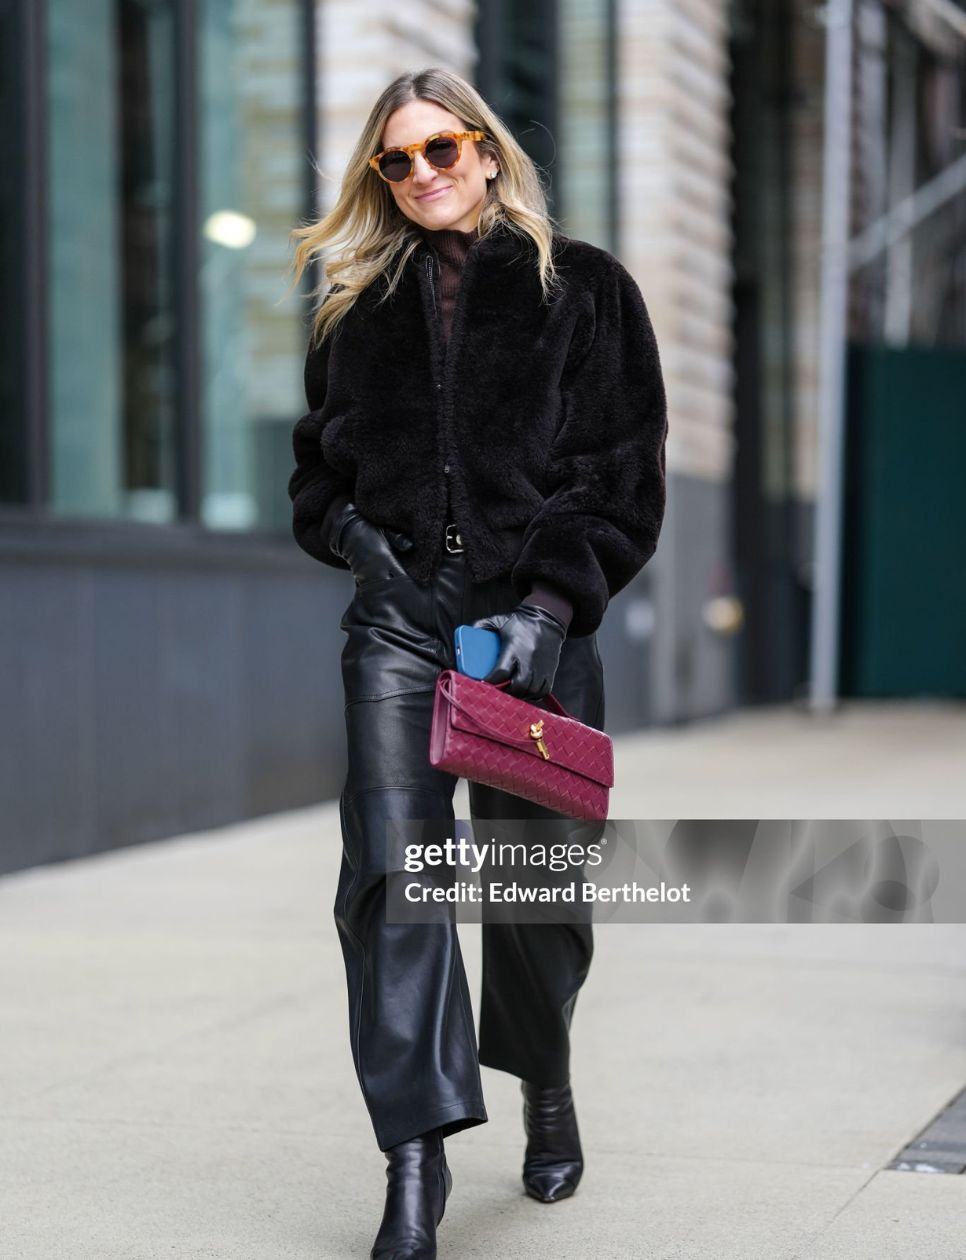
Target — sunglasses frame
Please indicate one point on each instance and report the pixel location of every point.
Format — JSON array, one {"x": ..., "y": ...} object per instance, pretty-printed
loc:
[{"x": 410, "y": 151}]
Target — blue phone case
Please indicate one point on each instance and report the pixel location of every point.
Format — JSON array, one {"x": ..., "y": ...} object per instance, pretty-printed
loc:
[{"x": 477, "y": 650}]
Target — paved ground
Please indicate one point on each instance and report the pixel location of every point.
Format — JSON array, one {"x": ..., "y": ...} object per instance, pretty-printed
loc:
[{"x": 175, "y": 1078}]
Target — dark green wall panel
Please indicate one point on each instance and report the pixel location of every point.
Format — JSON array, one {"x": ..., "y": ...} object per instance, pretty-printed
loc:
[{"x": 904, "y": 577}]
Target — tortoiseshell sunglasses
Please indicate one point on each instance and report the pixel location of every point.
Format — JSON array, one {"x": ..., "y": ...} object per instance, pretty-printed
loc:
[{"x": 441, "y": 150}]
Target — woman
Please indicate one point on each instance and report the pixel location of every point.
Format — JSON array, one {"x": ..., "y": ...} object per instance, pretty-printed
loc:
[{"x": 485, "y": 444}]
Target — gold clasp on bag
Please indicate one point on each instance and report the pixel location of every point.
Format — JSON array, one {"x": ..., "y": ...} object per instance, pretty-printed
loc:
[{"x": 536, "y": 733}]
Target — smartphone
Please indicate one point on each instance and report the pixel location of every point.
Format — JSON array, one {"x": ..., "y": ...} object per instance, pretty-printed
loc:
[{"x": 477, "y": 650}]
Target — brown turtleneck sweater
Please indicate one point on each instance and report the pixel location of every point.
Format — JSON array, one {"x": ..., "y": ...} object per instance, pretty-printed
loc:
[{"x": 451, "y": 247}]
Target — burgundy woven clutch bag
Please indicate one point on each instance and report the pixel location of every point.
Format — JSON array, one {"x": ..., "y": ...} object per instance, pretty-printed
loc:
[{"x": 482, "y": 733}]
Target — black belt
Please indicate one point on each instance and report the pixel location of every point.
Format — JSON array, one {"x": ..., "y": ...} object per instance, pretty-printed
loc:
[{"x": 454, "y": 544}]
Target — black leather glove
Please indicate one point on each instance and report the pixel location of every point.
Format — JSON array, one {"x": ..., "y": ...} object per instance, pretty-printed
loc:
[
  {"x": 532, "y": 639},
  {"x": 365, "y": 547}
]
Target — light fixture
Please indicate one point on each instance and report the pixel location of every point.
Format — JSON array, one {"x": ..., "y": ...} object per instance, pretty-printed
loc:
[{"x": 230, "y": 228}]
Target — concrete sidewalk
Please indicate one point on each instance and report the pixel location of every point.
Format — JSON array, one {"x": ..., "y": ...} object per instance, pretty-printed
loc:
[{"x": 175, "y": 1078}]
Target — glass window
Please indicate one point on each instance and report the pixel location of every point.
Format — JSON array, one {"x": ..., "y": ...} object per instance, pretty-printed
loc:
[
  {"x": 252, "y": 173},
  {"x": 516, "y": 73},
  {"x": 110, "y": 196},
  {"x": 548, "y": 69},
  {"x": 585, "y": 168},
  {"x": 15, "y": 225}
]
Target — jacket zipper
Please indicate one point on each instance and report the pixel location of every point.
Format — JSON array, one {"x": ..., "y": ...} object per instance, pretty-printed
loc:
[{"x": 439, "y": 360}]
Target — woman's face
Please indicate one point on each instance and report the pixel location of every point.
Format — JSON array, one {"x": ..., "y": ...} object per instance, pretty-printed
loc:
[{"x": 436, "y": 199}]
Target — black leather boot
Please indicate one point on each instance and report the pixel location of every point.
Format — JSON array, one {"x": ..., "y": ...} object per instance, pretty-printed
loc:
[
  {"x": 419, "y": 1184},
  {"x": 554, "y": 1162}
]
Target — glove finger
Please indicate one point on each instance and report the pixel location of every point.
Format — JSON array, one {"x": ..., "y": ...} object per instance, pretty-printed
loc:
[
  {"x": 368, "y": 551},
  {"x": 504, "y": 668},
  {"x": 402, "y": 542},
  {"x": 494, "y": 622},
  {"x": 541, "y": 686},
  {"x": 522, "y": 683},
  {"x": 388, "y": 554},
  {"x": 539, "y": 689},
  {"x": 497, "y": 675}
]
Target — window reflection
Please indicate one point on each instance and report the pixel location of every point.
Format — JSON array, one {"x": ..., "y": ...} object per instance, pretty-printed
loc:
[
  {"x": 252, "y": 164},
  {"x": 121, "y": 414},
  {"x": 111, "y": 192},
  {"x": 586, "y": 169}
]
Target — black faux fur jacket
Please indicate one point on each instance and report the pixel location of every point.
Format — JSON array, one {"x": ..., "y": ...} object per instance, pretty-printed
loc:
[{"x": 548, "y": 422}]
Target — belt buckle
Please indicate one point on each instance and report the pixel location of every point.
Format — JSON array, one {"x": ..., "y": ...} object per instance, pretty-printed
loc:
[{"x": 453, "y": 537}]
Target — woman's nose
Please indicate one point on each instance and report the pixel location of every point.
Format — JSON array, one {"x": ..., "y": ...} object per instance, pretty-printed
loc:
[{"x": 423, "y": 171}]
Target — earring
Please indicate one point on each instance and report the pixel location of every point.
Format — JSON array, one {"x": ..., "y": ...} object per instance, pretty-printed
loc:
[{"x": 492, "y": 174}]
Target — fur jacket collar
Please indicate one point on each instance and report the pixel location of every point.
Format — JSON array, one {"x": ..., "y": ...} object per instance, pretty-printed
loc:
[{"x": 546, "y": 421}]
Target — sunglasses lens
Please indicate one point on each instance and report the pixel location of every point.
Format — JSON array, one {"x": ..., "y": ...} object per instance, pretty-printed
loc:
[
  {"x": 395, "y": 165},
  {"x": 442, "y": 152}
]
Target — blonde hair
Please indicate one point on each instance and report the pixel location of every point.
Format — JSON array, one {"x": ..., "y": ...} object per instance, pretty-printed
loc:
[{"x": 368, "y": 228}]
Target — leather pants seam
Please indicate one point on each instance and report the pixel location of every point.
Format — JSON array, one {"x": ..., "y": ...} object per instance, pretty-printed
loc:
[
  {"x": 356, "y": 1036},
  {"x": 386, "y": 695},
  {"x": 391, "y": 787},
  {"x": 468, "y": 1025}
]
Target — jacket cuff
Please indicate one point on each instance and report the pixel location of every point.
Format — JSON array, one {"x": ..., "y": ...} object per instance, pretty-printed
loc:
[
  {"x": 551, "y": 598},
  {"x": 586, "y": 557}
]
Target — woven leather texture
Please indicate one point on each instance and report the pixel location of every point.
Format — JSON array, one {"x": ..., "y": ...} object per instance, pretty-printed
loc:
[{"x": 482, "y": 733}]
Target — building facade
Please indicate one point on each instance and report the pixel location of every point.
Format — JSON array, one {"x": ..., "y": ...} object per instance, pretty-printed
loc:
[
  {"x": 156, "y": 621},
  {"x": 169, "y": 657}
]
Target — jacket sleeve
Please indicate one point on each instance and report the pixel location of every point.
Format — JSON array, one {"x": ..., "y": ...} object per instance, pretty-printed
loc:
[
  {"x": 600, "y": 522},
  {"x": 317, "y": 490}
]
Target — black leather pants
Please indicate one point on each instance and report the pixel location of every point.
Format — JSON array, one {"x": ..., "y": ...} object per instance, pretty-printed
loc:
[{"x": 410, "y": 1016}]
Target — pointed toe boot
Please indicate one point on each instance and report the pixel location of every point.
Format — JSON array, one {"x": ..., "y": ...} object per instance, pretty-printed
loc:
[
  {"x": 553, "y": 1162},
  {"x": 419, "y": 1182}
]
